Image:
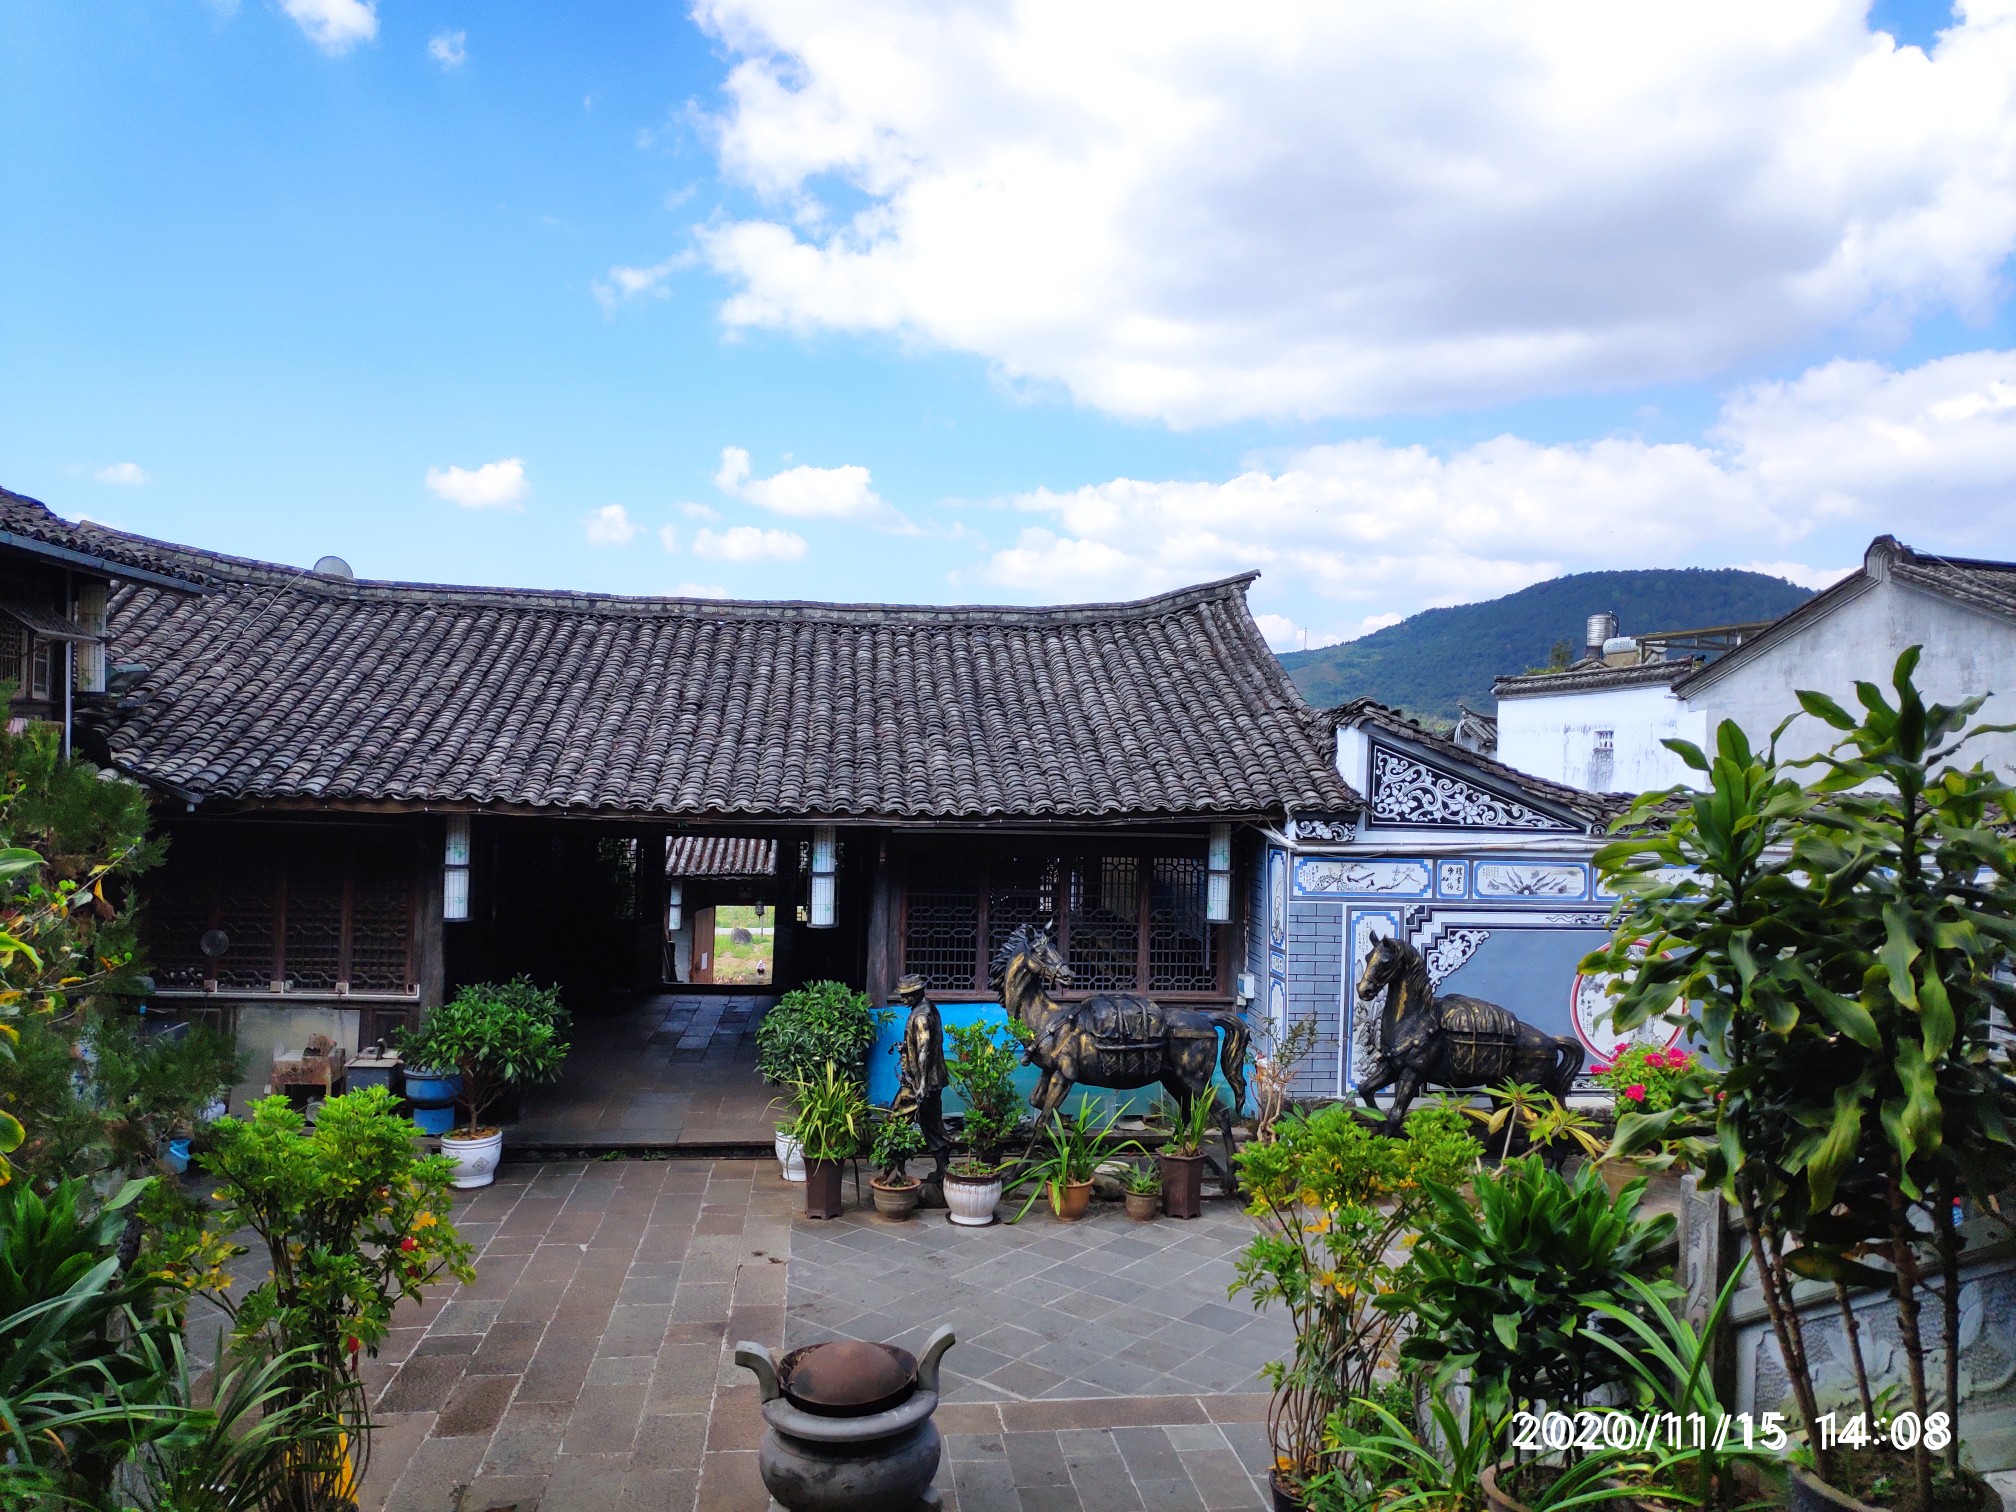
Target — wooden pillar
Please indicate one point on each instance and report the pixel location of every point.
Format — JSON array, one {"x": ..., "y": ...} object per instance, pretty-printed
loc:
[
  {"x": 882, "y": 911},
  {"x": 429, "y": 944}
]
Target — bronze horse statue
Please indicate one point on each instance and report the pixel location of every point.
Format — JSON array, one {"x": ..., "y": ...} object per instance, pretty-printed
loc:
[
  {"x": 1120, "y": 1040},
  {"x": 1455, "y": 1041}
]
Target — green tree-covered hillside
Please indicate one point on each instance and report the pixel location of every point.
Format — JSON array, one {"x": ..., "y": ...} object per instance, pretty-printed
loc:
[{"x": 1427, "y": 663}]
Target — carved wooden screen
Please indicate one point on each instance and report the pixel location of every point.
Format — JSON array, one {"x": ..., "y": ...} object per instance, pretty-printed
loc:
[{"x": 1103, "y": 944}]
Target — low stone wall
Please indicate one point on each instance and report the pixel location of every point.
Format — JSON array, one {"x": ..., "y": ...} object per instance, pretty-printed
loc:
[{"x": 1754, "y": 1370}]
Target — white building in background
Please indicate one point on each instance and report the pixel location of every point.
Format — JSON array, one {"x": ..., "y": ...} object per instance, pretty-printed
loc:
[{"x": 1598, "y": 724}]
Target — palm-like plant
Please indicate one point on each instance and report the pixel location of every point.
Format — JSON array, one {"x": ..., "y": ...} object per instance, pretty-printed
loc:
[{"x": 1076, "y": 1147}]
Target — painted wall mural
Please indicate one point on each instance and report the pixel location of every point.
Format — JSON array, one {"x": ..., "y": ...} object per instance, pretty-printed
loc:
[
  {"x": 1506, "y": 879},
  {"x": 1367, "y": 878}
]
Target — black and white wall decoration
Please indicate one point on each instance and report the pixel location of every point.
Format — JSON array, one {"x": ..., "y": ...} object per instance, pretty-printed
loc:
[{"x": 1409, "y": 793}]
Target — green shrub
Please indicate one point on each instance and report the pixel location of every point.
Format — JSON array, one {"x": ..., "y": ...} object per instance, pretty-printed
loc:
[
  {"x": 354, "y": 1220},
  {"x": 1337, "y": 1199},
  {"x": 982, "y": 1066},
  {"x": 817, "y": 1023},
  {"x": 1511, "y": 1293},
  {"x": 495, "y": 1037}
]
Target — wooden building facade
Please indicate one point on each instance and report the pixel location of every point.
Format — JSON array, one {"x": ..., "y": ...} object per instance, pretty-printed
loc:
[{"x": 375, "y": 792}]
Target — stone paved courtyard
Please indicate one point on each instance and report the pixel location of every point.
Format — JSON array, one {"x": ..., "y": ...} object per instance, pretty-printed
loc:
[
  {"x": 1100, "y": 1367},
  {"x": 671, "y": 1070}
]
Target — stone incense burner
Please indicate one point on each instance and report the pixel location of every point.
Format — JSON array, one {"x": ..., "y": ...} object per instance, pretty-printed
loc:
[{"x": 850, "y": 1425}]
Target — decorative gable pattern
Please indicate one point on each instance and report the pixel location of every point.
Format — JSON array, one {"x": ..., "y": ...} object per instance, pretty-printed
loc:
[{"x": 1409, "y": 792}]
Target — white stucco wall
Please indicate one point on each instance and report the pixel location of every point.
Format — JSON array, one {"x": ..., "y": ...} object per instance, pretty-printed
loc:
[
  {"x": 1554, "y": 736},
  {"x": 1966, "y": 652}
]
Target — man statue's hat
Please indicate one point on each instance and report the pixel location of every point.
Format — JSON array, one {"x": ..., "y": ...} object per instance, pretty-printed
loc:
[{"x": 909, "y": 982}]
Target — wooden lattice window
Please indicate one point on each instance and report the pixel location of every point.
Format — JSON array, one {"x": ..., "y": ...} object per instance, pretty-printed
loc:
[
  {"x": 1182, "y": 955},
  {"x": 311, "y": 906},
  {"x": 941, "y": 923},
  {"x": 1127, "y": 920}
]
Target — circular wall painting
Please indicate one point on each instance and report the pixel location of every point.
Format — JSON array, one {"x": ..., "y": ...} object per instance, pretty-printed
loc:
[{"x": 1589, "y": 1003}]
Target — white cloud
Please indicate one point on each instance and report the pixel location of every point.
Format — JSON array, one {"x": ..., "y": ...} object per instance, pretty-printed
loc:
[
  {"x": 611, "y": 525},
  {"x": 807, "y": 493},
  {"x": 747, "y": 543},
  {"x": 1822, "y": 463},
  {"x": 631, "y": 283},
  {"x": 335, "y": 26},
  {"x": 126, "y": 474},
  {"x": 700, "y": 590},
  {"x": 494, "y": 485},
  {"x": 1197, "y": 212},
  {"x": 1815, "y": 578},
  {"x": 699, "y": 512},
  {"x": 668, "y": 537},
  {"x": 449, "y": 48}
]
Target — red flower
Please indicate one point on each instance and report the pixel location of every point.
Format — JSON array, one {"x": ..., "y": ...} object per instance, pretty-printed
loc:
[
  {"x": 354, "y": 1345},
  {"x": 1676, "y": 1060},
  {"x": 1656, "y": 1058},
  {"x": 409, "y": 1244},
  {"x": 1603, "y": 1070},
  {"x": 1636, "y": 1091}
]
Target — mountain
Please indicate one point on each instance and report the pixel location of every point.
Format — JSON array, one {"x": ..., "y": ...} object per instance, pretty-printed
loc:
[{"x": 1425, "y": 664}]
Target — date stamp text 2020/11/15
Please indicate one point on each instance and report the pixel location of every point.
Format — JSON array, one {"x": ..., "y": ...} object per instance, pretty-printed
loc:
[{"x": 1533, "y": 1432}]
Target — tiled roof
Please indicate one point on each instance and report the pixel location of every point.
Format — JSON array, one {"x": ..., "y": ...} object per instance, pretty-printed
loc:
[
  {"x": 720, "y": 856},
  {"x": 288, "y": 686},
  {"x": 1594, "y": 807},
  {"x": 1984, "y": 585},
  {"x": 1594, "y": 674},
  {"x": 28, "y": 525}
]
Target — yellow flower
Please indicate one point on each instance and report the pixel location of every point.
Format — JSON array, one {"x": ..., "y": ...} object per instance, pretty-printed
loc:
[
  {"x": 425, "y": 1220},
  {"x": 1326, "y": 1278}
]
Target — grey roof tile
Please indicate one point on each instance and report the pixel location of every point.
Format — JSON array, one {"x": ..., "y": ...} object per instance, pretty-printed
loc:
[{"x": 282, "y": 685}]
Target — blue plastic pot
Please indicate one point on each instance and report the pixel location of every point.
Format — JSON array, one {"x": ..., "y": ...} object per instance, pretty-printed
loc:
[
  {"x": 175, "y": 1155},
  {"x": 435, "y": 1120},
  {"x": 432, "y": 1089}
]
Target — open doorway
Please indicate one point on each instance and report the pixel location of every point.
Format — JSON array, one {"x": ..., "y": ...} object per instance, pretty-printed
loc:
[
  {"x": 721, "y": 925},
  {"x": 744, "y": 944}
]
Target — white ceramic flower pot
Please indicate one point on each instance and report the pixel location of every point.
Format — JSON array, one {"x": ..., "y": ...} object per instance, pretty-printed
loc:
[
  {"x": 972, "y": 1199},
  {"x": 790, "y": 1157},
  {"x": 475, "y": 1159}
]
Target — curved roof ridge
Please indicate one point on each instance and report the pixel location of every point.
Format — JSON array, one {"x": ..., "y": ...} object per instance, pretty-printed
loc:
[{"x": 218, "y": 564}]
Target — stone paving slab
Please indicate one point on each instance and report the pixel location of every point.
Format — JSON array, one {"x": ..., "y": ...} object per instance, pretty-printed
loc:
[
  {"x": 671, "y": 1070},
  {"x": 589, "y": 1365}
]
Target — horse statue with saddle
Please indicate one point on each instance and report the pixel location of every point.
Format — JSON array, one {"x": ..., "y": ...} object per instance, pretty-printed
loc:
[
  {"x": 1459, "y": 1042},
  {"x": 1120, "y": 1040}
]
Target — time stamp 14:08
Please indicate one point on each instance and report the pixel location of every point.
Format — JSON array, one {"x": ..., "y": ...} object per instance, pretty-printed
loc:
[{"x": 1742, "y": 1430}]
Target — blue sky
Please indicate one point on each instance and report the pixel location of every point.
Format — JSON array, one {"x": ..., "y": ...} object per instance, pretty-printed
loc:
[{"x": 1013, "y": 303}]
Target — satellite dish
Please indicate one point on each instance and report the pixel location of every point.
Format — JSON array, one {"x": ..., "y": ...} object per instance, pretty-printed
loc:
[
  {"x": 214, "y": 943},
  {"x": 334, "y": 566}
]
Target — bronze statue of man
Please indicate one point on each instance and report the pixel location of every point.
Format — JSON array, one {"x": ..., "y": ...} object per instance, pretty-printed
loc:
[{"x": 920, "y": 1070}]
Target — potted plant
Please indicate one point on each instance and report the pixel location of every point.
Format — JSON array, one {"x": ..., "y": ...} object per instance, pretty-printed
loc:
[
  {"x": 832, "y": 1117},
  {"x": 1833, "y": 947},
  {"x": 494, "y": 1039},
  {"x": 1065, "y": 1174},
  {"x": 1515, "y": 1294},
  {"x": 789, "y": 1148},
  {"x": 1141, "y": 1190},
  {"x": 982, "y": 1068},
  {"x": 815, "y": 1024},
  {"x": 895, "y": 1189},
  {"x": 1182, "y": 1159},
  {"x": 1334, "y": 1199}
]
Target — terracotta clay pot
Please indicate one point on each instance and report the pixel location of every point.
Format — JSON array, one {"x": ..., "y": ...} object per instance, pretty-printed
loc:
[
  {"x": 896, "y": 1201},
  {"x": 822, "y": 1188},
  {"x": 1076, "y": 1197},
  {"x": 1143, "y": 1206},
  {"x": 1182, "y": 1185}
]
